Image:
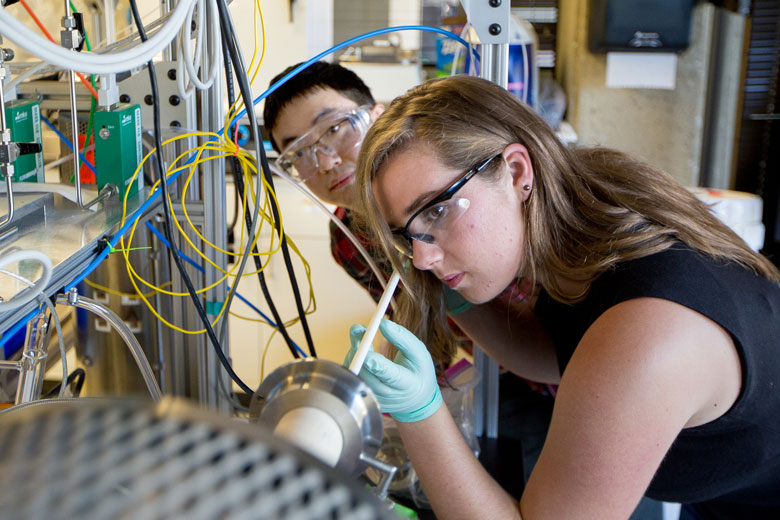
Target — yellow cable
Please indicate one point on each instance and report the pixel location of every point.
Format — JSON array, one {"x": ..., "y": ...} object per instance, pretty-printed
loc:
[
  {"x": 265, "y": 352},
  {"x": 264, "y": 214},
  {"x": 245, "y": 318},
  {"x": 228, "y": 148},
  {"x": 126, "y": 253},
  {"x": 114, "y": 292},
  {"x": 268, "y": 345},
  {"x": 134, "y": 275}
]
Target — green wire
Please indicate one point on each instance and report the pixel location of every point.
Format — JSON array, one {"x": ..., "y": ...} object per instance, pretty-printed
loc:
[
  {"x": 86, "y": 38},
  {"x": 93, "y": 105}
]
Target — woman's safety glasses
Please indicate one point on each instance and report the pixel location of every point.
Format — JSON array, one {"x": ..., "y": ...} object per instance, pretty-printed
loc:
[
  {"x": 431, "y": 223},
  {"x": 334, "y": 136}
]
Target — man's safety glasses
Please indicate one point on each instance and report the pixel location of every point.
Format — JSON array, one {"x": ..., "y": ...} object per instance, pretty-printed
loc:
[
  {"x": 334, "y": 136},
  {"x": 431, "y": 223}
]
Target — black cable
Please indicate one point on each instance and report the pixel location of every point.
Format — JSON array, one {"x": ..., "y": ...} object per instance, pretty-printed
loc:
[
  {"x": 246, "y": 95},
  {"x": 77, "y": 375},
  {"x": 239, "y": 183},
  {"x": 168, "y": 227}
]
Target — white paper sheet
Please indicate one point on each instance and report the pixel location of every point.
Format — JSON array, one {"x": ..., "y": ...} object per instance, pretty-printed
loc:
[{"x": 641, "y": 70}]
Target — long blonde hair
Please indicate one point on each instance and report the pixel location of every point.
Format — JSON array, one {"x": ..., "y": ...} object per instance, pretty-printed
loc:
[{"x": 590, "y": 208}]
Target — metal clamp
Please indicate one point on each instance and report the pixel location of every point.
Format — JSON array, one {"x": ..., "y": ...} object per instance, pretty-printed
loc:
[{"x": 387, "y": 470}]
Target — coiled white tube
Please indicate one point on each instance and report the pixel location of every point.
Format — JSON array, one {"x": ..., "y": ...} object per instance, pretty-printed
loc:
[
  {"x": 187, "y": 78},
  {"x": 29, "y": 294},
  {"x": 91, "y": 62}
]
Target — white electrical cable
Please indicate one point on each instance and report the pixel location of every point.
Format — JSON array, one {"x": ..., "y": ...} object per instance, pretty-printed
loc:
[
  {"x": 45, "y": 301},
  {"x": 458, "y": 49},
  {"x": 187, "y": 77},
  {"x": 29, "y": 294},
  {"x": 90, "y": 62},
  {"x": 8, "y": 88},
  {"x": 526, "y": 72},
  {"x": 186, "y": 88}
]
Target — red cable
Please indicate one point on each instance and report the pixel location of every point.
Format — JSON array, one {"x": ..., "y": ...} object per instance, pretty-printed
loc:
[
  {"x": 235, "y": 139},
  {"x": 46, "y": 33}
]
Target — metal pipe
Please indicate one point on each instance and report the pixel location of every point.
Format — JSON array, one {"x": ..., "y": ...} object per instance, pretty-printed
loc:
[
  {"x": 494, "y": 64},
  {"x": 388, "y": 472},
  {"x": 74, "y": 299},
  {"x": 11, "y": 365},
  {"x": 10, "y": 191},
  {"x": 74, "y": 123},
  {"x": 2, "y": 102},
  {"x": 5, "y": 140}
]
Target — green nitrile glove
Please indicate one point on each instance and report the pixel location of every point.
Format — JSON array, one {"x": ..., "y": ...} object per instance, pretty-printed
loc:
[
  {"x": 406, "y": 388},
  {"x": 454, "y": 302}
]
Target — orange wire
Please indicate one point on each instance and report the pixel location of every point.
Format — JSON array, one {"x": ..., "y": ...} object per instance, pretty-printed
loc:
[{"x": 46, "y": 33}]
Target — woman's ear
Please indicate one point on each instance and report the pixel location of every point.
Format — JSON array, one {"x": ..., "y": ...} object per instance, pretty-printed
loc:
[
  {"x": 520, "y": 168},
  {"x": 376, "y": 111}
]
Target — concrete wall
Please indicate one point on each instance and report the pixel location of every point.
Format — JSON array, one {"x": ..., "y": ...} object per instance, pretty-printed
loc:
[{"x": 663, "y": 127}]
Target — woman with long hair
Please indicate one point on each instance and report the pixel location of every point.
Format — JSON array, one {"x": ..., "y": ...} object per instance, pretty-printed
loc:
[{"x": 660, "y": 325}]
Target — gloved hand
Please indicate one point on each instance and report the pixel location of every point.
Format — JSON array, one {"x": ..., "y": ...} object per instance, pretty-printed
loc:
[
  {"x": 454, "y": 302},
  {"x": 406, "y": 388}
]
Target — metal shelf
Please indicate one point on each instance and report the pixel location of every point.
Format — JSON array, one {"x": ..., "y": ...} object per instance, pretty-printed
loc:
[{"x": 54, "y": 225}]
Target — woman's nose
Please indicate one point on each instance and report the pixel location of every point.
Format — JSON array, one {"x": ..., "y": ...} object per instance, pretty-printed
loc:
[{"x": 425, "y": 256}]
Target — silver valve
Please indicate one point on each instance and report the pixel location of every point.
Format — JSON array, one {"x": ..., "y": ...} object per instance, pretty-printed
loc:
[
  {"x": 9, "y": 152},
  {"x": 71, "y": 36}
]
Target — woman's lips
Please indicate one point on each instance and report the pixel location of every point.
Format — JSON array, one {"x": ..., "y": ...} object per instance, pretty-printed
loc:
[
  {"x": 453, "y": 281},
  {"x": 344, "y": 181}
]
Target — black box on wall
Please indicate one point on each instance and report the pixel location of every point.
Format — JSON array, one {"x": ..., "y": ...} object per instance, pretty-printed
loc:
[{"x": 640, "y": 25}]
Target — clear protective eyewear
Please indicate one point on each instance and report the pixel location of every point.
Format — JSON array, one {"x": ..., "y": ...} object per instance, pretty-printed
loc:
[
  {"x": 334, "y": 136},
  {"x": 431, "y": 223}
]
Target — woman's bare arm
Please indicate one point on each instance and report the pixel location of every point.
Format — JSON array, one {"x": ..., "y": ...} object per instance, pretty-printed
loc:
[
  {"x": 646, "y": 369},
  {"x": 514, "y": 338}
]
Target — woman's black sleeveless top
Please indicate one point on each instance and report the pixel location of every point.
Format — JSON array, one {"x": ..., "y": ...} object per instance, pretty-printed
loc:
[{"x": 734, "y": 460}]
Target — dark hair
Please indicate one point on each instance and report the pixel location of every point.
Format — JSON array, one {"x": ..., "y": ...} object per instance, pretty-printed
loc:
[{"x": 318, "y": 75}]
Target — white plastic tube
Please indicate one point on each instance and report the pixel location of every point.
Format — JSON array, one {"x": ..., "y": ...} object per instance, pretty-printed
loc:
[
  {"x": 373, "y": 327},
  {"x": 29, "y": 294},
  {"x": 8, "y": 87},
  {"x": 90, "y": 62},
  {"x": 190, "y": 81}
]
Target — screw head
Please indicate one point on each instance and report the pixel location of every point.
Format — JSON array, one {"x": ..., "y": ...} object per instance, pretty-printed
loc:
[
  {"x": 104, "y": 133},
  {"x": 175, "y": 124},
  {"x": 494, "y": 29},
  {"x": 148, "y": 99},
  {"x": 174, "y": 100},
  {"x": 494, "y": 3},
  {"x": 172, "y": 74},
  {"x": 124, "y": 98}
]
